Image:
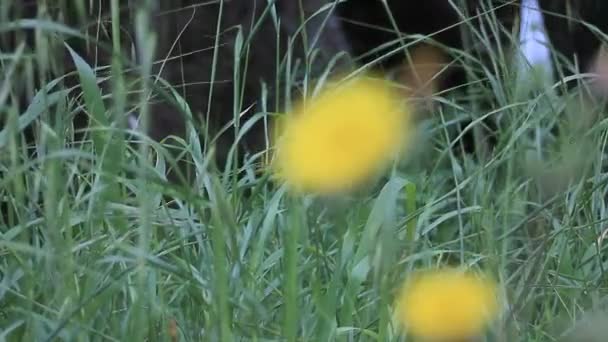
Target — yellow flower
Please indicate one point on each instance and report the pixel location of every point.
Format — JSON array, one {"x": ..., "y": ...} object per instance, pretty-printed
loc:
[
  {"x": 341, "y": 137},
  {"x": 447, "y": 304}
]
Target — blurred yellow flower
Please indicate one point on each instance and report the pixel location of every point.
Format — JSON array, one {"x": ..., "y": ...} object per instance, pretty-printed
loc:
[
  {"x": 342, "y": 136},
  {"x": 447, "y": 305}
]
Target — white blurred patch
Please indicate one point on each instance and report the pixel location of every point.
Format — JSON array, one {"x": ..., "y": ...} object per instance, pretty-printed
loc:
[
  {"x": 133, "y": 122},
  {"x": 533, "y": 39}
]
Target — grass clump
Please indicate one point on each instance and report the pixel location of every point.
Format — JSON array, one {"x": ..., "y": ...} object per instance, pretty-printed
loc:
[{"x": 97, "y": 244}]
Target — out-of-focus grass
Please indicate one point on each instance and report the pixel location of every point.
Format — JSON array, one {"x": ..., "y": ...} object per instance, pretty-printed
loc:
[{"x": 97, "y": 245}]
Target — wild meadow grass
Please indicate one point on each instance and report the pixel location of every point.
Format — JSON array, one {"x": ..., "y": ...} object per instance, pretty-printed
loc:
[{"x": 96, "y": 244}]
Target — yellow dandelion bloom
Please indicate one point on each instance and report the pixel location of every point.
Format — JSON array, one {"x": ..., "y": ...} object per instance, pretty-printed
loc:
[
  {"x": 447, "y": 305},
  {"x": 342, "y": 136}
]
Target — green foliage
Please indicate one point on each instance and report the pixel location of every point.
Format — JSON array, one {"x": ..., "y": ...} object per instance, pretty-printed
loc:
[{"x": 96, "y": 244}]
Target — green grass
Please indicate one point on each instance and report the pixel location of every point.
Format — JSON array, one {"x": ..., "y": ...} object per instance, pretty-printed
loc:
[{"x": 97, "y": 245}]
